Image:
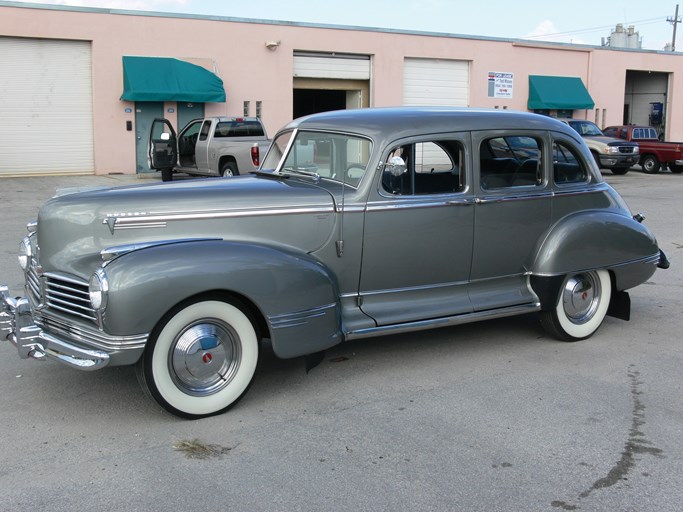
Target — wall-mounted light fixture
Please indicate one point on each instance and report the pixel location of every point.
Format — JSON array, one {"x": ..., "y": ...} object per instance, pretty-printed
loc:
[{"x": 272, "y": 45}]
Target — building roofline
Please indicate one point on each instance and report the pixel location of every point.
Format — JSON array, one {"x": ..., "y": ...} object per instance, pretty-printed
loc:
[{"x": 303, "y": 24}]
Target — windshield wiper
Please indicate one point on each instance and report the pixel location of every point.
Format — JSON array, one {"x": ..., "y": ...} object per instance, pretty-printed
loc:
[
  {"x": 267, "y": 174},
  {"x": 301, "y": 172}
]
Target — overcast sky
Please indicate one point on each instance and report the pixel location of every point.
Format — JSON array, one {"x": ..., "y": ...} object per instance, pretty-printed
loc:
[{"x": 576, "y": 21}]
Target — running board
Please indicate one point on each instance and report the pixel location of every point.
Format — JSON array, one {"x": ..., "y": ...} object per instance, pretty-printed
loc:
[{"x": 443, "y": 322}]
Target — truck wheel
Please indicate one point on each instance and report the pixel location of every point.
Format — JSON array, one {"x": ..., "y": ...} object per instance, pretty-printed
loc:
[
  {"x": 200, "y": 360},
  {"x": 676, "y": 169},
  {"x": 229, "y": 169},
  {"x": 650, "y": 164},
  {"x": 167, "y": 174},
  {"x": 596, "y": 157},
  {"x": 581, "y": 306},
  {"x": 620, "y": 171}
]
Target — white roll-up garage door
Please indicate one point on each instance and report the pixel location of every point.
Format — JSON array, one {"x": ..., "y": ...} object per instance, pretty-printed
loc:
[
  {"x": 327, "y": 65},
  {"x": 45, "y": 107},
  {"x": 436, "y": 82}
]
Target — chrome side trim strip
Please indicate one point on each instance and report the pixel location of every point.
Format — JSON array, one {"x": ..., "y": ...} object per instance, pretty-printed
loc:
[
  {"x": 507, "y": 198},
  {"x": 159, "y": 220},
  {"x": 286, "y": 320},
  {"x": 648, "y": 260},
  {"x": 374, "y": 206},
  {"x": 442, "y": 322},
  {"x": 409, "y": 289}
]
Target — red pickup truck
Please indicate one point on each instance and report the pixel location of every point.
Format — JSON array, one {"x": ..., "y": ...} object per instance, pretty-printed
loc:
[{"x": 653, "y": 153}]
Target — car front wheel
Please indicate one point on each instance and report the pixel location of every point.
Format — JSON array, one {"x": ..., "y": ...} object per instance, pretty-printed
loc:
[
  {"x": 201, "y": 360},
  {"x": 581, "y": 306},
  {"x": 620, "y": 171}
]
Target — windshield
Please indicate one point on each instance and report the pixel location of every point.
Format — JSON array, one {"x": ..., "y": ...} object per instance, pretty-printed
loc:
[
  {"x": 336, "y": 156},
  {"x": 585, "y": 128}
]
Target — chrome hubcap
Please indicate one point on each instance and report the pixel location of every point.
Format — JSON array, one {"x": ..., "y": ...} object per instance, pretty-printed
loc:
[
  {"x": 581, "y": 297},
  {"x": 205, "y": 357}
]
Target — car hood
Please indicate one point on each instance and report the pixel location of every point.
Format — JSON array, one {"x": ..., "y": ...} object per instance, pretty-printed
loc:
[
  {"x": 74, "y": 228},
  {"x": 611, "y": 141}
]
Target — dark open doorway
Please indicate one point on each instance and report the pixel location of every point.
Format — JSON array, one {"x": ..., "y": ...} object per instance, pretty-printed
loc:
[{"x": 311, "y": 101}]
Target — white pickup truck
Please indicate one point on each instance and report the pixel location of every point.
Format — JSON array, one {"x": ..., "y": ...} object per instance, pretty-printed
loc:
[{"x": 213, "y": 146}]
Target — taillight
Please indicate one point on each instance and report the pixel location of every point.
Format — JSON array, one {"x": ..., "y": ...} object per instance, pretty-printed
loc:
[{"x": 255, "y": 155}]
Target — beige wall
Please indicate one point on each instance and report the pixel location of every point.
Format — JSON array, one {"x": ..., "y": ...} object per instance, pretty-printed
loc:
[{"x": 252, "y": 72}]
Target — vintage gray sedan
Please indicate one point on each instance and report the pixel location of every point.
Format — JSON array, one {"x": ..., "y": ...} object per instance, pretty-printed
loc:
[{"x": 359, "y": 223}]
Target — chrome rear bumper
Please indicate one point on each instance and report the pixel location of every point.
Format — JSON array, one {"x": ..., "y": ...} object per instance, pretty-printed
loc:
[{"x": 17, "y": 326}]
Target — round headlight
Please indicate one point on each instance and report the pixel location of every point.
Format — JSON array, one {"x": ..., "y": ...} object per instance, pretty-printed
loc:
[
  {"x": 98, "y": 288},
  {"x": 25, "y": 254}
]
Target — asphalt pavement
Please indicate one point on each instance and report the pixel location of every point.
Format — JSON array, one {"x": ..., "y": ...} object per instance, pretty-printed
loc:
[{"x": 493, "y": 416}]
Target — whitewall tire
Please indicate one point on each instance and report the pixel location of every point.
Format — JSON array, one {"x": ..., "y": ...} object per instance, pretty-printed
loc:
[
  {"x": 581, "y": 306},
  {"x": 201, "y": 360}
]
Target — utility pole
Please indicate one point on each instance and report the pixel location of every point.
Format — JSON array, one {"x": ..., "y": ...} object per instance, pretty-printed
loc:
[{"x": 674, "y": 21}]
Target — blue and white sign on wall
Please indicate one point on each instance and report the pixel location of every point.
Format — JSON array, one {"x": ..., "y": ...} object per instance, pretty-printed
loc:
[{"x": 500, "y": 84}]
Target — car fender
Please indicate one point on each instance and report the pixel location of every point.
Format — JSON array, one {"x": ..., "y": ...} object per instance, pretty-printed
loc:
[
  {"x": 595, "y": 240},
  {"x": 295, "y": 294}
]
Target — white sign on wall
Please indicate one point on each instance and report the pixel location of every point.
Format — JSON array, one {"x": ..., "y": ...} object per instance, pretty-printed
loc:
[{"x": 500, "y": 84}]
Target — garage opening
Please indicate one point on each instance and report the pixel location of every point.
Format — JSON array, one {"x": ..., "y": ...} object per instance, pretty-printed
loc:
[
  {"x": 310, "y": 101},
  {"x": 645, "y": 99},
  {"x": 318, "y": 95},
  {"x": 329, "y": 81}
]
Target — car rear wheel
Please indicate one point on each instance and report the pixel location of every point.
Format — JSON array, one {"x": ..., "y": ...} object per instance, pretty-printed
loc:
[
  {"x": 581, "y": 306},
  {"x": 167, "y": 174},
  {"x": 201, "y": 360},
  {"x": 650, "y": 164},
  {"x": 229, "y": 169},
  {"x": 619, "y": 170}
]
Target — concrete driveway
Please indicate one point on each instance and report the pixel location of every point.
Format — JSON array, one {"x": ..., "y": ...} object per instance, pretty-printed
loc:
[{"x": 493, "y": 416}]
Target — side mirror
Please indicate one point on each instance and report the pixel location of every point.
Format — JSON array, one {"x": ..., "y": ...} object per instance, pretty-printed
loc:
[
  {"x": 395, "y": 166},
  {"x": 165, "y": 136}
]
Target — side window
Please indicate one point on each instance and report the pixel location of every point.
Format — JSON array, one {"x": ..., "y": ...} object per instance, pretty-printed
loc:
[
  {"x": 430, "y": 168},
  {"x": 510, "y": 161},
  {"x": 567, "y": 166},
  {"x": 204, "y": 133}
]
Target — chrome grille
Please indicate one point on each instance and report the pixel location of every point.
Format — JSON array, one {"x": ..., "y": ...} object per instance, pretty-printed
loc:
[
  {"x": 33, "y": 283},
  {"x": 626, "y": 149},
  {"x": 68, "y": 295}
]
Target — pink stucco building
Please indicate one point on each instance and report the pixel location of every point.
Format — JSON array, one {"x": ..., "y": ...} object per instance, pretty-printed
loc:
[{"x": 63, "y": 79}]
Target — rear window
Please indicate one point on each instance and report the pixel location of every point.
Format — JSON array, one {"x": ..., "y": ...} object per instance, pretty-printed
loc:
[
  {"x": 239, "y": 128},
  {"x": 645, "y": 133}
]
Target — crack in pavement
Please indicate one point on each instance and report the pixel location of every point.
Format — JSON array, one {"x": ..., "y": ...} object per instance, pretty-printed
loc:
[{"x": 636, "y": 444}]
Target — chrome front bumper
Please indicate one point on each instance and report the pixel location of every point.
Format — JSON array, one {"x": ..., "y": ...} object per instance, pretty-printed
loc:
[{"x": 17, "y": 326}]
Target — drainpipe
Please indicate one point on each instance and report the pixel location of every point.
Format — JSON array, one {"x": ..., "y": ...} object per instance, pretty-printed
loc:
[{"x": 588, "y": 77}]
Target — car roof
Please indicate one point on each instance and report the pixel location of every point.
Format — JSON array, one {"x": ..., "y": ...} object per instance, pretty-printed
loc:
[{"x": 406, "y": 121}]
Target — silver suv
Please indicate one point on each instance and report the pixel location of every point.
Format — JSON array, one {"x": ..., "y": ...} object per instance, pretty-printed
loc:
[{"x": 609, "y": 153}]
